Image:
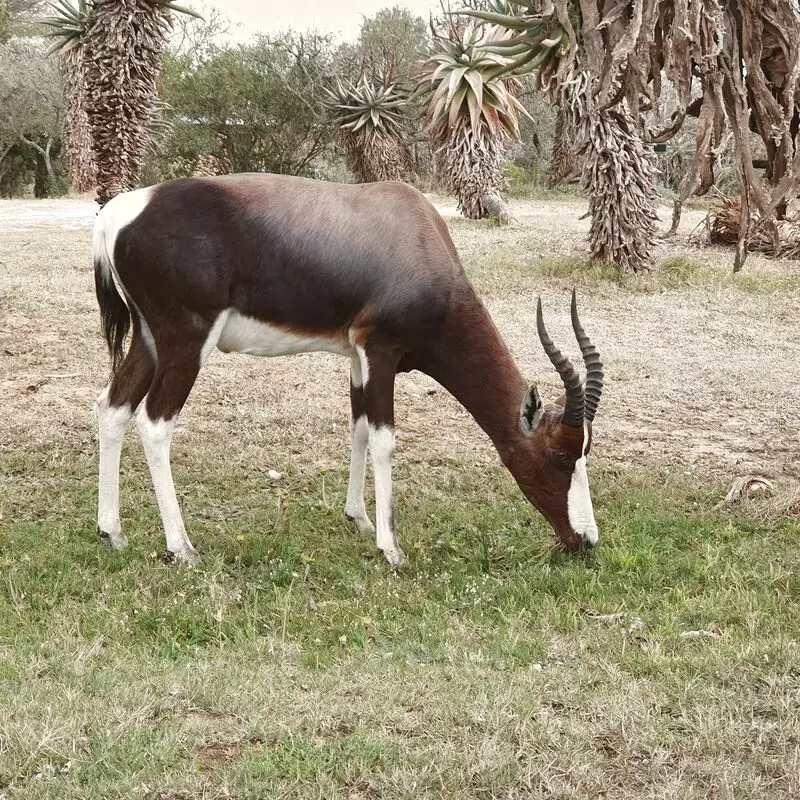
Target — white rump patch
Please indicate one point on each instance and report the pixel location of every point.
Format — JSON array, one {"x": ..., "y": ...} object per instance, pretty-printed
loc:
[
  {"x": 241, "y": 334},
  {"x": 579, "y": 501},
  {"x": 112, "y": 218}
]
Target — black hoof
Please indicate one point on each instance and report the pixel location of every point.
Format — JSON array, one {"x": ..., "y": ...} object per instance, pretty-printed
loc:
[
  {"x": 104, "y": 537},
  {"x": 168, "y": 557}
]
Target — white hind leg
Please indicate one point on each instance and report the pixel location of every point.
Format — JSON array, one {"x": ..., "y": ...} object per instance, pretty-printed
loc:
[
  {"x": 115, "y": 406},
  {"x": 359, "y": 438},
  {"x": 112, "y": 422}
]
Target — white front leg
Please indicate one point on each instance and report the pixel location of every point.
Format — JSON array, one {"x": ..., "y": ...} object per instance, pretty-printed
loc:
[
  {"x": 354, "y": 507},
  {"x": 112, "y": 422},
  {"x": 156, "y": 439},
  {"x": 381, "y": 446}
]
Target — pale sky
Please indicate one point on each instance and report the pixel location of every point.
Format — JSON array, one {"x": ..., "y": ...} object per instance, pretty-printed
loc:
[{"x": 342, "y": 17}]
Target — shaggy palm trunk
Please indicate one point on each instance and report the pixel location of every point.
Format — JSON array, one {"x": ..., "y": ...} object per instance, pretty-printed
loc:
[
  {"x": 76, "y": 139},
  {"x": 471, "y": 162},
  {"x": 619, "y": 173},
  {"x": 124, "y": 45},
  {"x": 374, "y": 156},
  {"x": 564, "y": 159}
]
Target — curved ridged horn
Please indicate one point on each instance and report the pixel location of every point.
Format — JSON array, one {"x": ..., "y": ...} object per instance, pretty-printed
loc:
[
  {"x": 573, "y": 408},
  {"x": 593, "y": 389}
]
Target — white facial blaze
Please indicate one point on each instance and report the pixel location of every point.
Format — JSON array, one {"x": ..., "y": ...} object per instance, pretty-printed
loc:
[{"x": 579, "y": 501}]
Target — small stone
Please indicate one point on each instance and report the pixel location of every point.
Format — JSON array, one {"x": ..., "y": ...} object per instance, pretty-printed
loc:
[{"x": 274, "y": 475}]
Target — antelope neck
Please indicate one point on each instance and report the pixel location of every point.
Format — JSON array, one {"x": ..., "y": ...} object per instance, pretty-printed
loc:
[{"x": 474, "y": 364}]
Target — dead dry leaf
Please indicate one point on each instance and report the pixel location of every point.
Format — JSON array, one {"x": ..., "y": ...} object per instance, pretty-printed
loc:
[
  {"x": 711, "y": 631},
  {"x": 745, "y": 486},
  {"x": 606, "y": 619}
]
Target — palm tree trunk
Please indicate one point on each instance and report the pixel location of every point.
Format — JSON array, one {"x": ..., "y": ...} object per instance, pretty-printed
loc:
[
  {"x": 564, "y": 159},
  {"x": 473, "y": 165},
  {"x": 123, "y": 55},
  {"x": 620, "y": 176},
  {"x": 76, "y": 140},
  {"x": 373, "y": 157}
]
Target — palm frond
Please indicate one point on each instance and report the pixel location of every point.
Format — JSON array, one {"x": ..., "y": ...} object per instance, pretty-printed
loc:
[{"x": 68, "y": 25}]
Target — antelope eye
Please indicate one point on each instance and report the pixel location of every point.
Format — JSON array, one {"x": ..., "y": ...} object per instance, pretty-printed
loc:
[{"x": 562, "y": 456}]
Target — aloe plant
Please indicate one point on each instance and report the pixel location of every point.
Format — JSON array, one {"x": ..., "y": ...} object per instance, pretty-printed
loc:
[
  {"x": 372, "y": 122},
  {"x": 472, "y": 112}
]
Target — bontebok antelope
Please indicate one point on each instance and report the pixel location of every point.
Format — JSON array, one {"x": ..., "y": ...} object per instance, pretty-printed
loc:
[{"x": 275, "y": 265}]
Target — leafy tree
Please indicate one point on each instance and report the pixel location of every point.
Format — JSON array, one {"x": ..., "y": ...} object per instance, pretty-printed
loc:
[
  {"x": 196, "y": 37},
  {"x": 254, "y": 107},
  {"x": 30, "y": 109},
  {"x": 393, "y": 43}
]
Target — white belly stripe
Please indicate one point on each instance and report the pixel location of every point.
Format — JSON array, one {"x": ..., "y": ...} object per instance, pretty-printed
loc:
[{"x": 242, "y": 334}]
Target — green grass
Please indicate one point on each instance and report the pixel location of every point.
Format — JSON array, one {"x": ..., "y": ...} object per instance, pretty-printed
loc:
[
  {"x": 503, "y": 268},
  {"x": 294, "y": 663},
  {"x": 530, "y": 184}
]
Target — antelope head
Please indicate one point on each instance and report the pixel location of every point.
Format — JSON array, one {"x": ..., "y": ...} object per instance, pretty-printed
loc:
[{"x": 550, "y": 466}]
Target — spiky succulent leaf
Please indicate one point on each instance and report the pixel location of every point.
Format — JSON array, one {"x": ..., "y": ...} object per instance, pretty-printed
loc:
[
  {"x": 68, "y": 26},
  {"x": 535, "y": 41},
  {"x": 364, "y": 105},
  {"x": 372, "y": 127},
  {"x": 472, "y": 113},
  {"x": 463, "y": 79},
  {"x": 178, "y": 9}
]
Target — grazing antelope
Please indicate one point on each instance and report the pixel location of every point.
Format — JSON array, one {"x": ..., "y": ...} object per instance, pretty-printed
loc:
[{"x": 275, "y": 265}]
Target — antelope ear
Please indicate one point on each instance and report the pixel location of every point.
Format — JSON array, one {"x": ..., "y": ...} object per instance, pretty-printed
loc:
[{"x": 531, "y": 411}]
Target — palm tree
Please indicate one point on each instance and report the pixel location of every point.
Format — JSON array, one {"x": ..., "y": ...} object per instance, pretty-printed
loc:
[
  {"x": 121, "y": 43},
  {"x": 124, "y": 45},
  {"x": 68, "y": 27},
  {"x": 472, "y": 113},
  {"x": 617, "y": 168},
  {"x": 606, "y": 65},
  {"x": 565, "y": 158},
  {"x": 372, "y": 128}
]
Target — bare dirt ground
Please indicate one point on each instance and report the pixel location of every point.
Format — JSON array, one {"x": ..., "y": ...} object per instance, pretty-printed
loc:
[{"x": 701, "y": 378}]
